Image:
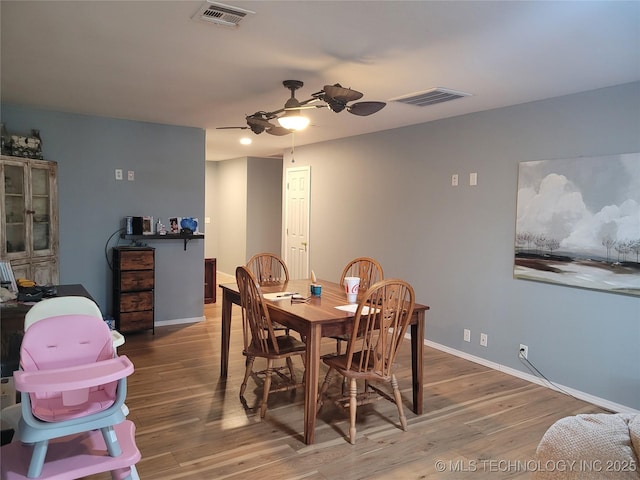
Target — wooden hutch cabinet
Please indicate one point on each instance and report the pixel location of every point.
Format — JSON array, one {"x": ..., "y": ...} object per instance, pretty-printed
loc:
[
  {"x": 133, "y": 288},
  {"x": 29, "y": 219},
  {"x": 209, "y": 280}
]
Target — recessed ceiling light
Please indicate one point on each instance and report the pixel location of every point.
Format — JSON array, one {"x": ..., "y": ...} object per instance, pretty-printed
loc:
[{"x": 245, "y": 141}]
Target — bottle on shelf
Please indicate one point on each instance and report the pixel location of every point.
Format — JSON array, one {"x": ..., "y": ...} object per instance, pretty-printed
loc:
[{"x": 160, "y": 228}]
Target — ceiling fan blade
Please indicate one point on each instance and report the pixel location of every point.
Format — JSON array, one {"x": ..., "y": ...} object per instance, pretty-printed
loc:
[
  {"x": 253, "y": 120},
  {"x": 363, "y": 109},
  {"x": 338, "y": 93},
  {"x": 229, "y": 128},
  {"x": 279, "y": 131}
]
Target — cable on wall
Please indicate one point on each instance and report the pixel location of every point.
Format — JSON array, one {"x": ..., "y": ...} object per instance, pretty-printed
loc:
[
  {"x": 106, "y": 247},
  {"x": 534, "y": 370}
]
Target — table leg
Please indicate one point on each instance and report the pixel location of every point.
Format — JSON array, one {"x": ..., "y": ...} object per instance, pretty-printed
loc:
[
  {"x": 227, "y": 303},
  {"x": 312, "y": 372},
  {"x": 417, "y": 352}
]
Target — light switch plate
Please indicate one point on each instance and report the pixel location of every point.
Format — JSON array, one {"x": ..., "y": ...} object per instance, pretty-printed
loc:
[
  {"x": 131, "y": 175},
  {"x": 473, "y": 179}
]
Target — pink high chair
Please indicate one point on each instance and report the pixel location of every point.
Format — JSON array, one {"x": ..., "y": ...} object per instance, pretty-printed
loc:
[
  {"x": 73, "y": 387},
  {"x": 53, "y": 307}
]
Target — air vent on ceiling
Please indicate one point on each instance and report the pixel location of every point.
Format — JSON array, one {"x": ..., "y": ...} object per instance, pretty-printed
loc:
[
  {"x": 221, "y": 14},
  {"x": 430, "y": 97}
]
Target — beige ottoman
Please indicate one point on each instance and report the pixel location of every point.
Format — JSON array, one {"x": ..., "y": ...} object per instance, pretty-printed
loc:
[{"x": 594, "y": 446}]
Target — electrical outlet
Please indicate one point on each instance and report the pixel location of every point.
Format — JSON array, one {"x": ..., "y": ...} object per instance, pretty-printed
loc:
[
  {"x": 467, "y": 335},
  {"x": 118, "y": 174},
  {"x": 454, "y": 180},
  {"x": 483, "y": 339},
  {"x": 524, "y": 351}
]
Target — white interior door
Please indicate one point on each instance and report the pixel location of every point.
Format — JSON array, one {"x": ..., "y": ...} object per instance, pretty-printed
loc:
[{"x": 296, "y": 251}]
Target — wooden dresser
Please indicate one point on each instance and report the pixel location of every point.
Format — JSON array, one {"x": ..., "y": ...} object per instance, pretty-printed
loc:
[
  {"x": 209, "y": 280},
  {"x": 133, "y": 288}
]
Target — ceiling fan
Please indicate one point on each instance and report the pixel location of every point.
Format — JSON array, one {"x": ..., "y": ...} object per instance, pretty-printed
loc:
[
  {"x": 335, "y": 97},
  {"x": 259, "y": 122}
]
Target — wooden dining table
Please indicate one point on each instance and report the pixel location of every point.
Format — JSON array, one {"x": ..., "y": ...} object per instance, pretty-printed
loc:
[{"x": 313, "y": 320}]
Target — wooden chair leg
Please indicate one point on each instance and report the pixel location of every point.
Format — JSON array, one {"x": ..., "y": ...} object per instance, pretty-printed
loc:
[
  {"x": 291, "y": 372},
  {"x": 267, "y": 387},
  {"x": 345, "y": 385},
  {"x": 303, "y": 358},
  {"x": 398, "y": 399},
  {"x": 323, "y": 389},
  {"x": 353, "y": 406},
  {"x": 247, "y": 374}
]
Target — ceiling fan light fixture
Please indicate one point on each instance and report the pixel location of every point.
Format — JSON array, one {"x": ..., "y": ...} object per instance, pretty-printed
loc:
[{"x": 292, "y": 120}]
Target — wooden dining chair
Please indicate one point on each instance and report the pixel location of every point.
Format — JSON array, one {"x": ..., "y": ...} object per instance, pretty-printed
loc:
[
  {"x": 381, "y": 320},
  {"x": 369, "y": 271},
  {"x": 270, "y": 269},
  {"x": 260, "y": 339}
]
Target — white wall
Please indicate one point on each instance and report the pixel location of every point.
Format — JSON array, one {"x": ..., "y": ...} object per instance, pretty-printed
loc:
[{"x": 388, "y": 195}]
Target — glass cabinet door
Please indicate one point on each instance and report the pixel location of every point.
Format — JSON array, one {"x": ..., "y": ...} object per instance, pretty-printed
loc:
[
  {"x": 40, "y": 204},
  {"x": 15, "y": 214},
  {"x": 29, "y": 218}
]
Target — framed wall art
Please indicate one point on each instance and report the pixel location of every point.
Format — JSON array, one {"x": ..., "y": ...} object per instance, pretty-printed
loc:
[{"x": 578, "y": 222}]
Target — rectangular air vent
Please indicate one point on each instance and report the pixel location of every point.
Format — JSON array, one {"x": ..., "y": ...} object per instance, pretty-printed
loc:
[
  {"x": 221, "y": 14},
  {"x": 430, "y": 97}
]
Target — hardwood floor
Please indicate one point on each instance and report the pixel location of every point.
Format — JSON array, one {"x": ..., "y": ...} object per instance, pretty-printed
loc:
[{"x": 477, "y": 423}]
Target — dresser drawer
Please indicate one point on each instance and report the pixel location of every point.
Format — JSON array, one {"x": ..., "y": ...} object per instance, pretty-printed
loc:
[
  {"x": 136, "y": 301},
  {"x": 136, "y": 280},
  {"x": 133, "y": 288},
  {"x": 135, "y": 259},
  {"x": 130, "y": 322}
]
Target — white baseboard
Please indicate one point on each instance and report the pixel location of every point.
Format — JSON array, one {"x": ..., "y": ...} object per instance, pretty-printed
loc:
[
  {"x": 601, "y": 402},
  {"x": 179, "y": 321}
]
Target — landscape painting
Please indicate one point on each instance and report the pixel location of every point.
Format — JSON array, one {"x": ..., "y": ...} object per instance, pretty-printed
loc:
[{"x": 578, "y": 222}]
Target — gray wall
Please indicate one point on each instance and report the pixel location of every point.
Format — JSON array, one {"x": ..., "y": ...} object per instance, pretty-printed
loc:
[
  {"x": 249, "y": 209},
  {"x": 211, "y": 203},
  {"x": 264, "y": 206},
  {"x": 232, "y": 214},
  {"x": 168, "y": 162},
  {"x": 388, "y": 195}
]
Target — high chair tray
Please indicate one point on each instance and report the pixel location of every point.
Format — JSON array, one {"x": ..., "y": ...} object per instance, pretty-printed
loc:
[
  {"x": 73, "y": 378},
  {"x": 72, "y": 457}
]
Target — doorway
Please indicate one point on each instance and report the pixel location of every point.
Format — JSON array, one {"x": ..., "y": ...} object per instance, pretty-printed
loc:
[{"x": 296, "y": 227}]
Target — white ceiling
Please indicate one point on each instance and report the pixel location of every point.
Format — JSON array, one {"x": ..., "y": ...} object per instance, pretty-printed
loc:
[{"x": 150, "y": 61}]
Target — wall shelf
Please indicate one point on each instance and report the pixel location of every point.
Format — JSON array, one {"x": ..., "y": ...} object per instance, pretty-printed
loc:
[{"x": 168, "y": 236}]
